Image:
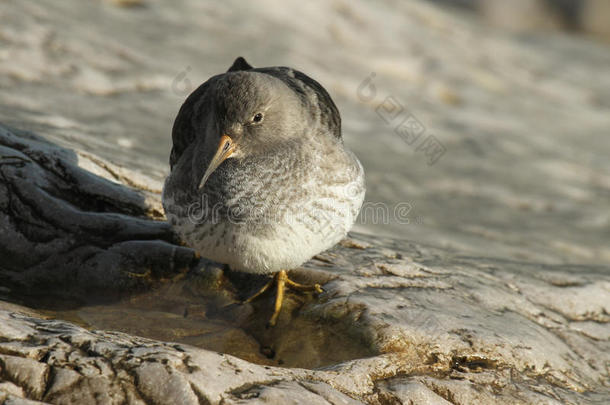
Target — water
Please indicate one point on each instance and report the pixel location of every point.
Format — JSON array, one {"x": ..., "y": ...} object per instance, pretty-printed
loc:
[{"x": 204, "y": 310}]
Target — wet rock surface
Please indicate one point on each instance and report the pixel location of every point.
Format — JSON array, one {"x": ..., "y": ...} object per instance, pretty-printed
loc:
[
  {"x": 77, "y": 229},
  {"x": 398, "y": 321},
  {"x": 500, "y": 294}
]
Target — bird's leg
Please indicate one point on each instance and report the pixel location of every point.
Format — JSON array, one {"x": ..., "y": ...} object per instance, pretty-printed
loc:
[
  {"x": 302, "y": 287},
  {"x": 259, "y": 292},
  {"x": 281, "y": 278},
  {"x": 282, "y": 281}
]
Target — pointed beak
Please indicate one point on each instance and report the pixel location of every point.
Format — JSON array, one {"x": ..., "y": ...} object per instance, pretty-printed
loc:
[{"x": 226, "y": 148}]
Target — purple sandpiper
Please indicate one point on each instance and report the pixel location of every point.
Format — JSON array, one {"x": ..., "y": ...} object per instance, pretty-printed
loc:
[{"x": 260, "y": 178}]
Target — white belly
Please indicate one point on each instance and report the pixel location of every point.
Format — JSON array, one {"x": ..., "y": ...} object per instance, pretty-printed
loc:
[
  {"x": 287, "y": 243},
  {"x": 301, "y": 218}
]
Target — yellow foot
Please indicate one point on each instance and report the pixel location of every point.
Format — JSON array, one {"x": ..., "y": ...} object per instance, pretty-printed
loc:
[
  {"x": 282, "y": 281},
  {"x": 146, "y": 274}
]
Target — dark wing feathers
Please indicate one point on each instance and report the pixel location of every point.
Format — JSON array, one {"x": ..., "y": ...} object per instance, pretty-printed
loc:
[
  {"x": 239, "y": 64},
  {"x": 183, "y": 131}
]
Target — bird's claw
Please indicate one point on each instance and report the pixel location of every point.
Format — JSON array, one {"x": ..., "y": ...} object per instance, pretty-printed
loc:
[{"x": 282, "y": 281}]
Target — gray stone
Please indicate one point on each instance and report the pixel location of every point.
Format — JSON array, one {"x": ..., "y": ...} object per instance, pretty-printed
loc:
[
  {"x": 463, "y": 328},
  {"x": 27, "y": 373},
  {"x": 160, "y": 385},
  {"x": 485, "y": 305},
  {"x": 473, "y": 329},
  {"x": 97, "y": 225}
]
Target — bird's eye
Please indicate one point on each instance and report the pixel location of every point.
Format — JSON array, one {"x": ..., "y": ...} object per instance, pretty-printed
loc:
[{"x": 258, "y": 117}]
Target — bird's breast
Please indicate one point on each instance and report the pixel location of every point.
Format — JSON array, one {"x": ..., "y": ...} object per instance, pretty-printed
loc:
[{"x": 263, "y": 215}]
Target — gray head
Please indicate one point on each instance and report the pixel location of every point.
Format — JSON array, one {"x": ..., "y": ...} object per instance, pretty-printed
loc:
[
  {"x": 247, "y": 111},
  {"x": 239, "y": 113}
]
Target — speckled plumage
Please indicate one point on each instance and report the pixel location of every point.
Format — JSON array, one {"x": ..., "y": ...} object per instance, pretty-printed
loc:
[{"x": 290, "y": 192}]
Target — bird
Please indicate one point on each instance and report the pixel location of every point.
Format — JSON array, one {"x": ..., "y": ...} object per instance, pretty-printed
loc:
[{"x": 260, "y": 177}]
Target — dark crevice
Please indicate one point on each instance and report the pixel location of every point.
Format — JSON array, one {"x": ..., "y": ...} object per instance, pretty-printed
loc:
[{"x": 201, "y": 398}]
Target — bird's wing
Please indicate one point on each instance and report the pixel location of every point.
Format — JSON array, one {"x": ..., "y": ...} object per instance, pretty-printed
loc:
[{"x": 185, "y": 125}]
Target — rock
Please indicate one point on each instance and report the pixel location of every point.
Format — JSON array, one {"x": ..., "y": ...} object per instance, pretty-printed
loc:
[
  {"x": 76, "y": 230},
  {"x": 398, "y": 321},
  {"x": 137, "y": 370},
  {"x": 521, "y": 15},
  {"x": 441, "y": 327},
  {"x": 594, "y": 19},
  {"x": 541, "y": 101},
  {"x": 27, "y": 373},
  {"x": 486, "y": 305},
  {"x": 128, "y": 3}
]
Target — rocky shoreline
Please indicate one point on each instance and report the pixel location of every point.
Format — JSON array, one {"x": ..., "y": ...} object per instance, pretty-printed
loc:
[
  {"x": 425, "y": 324},
  {"x": 497, "y": 290}
]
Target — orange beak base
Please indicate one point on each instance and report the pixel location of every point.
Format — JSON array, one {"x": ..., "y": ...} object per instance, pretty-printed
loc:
[{"x": 226, "y": 148}]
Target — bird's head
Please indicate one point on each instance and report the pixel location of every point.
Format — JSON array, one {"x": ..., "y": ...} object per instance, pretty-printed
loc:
[
  {"x": 240, "y": 114},
  {"x": 247, "y": 112},
  {"x": 251, "y": 113}
]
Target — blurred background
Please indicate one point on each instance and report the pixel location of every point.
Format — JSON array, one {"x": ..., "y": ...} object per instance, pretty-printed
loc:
[{"x": 483, "y": 125}]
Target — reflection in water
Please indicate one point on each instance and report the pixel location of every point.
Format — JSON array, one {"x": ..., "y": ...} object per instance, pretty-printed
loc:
[{"x": 195, "y": 311}]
